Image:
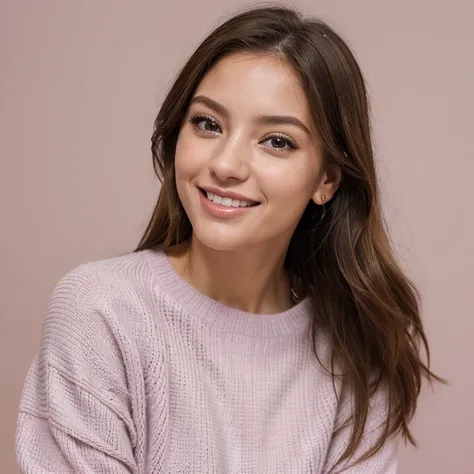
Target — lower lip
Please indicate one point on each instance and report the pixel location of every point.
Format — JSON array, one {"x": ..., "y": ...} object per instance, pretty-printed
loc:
[{"x": 218, "y": 210}]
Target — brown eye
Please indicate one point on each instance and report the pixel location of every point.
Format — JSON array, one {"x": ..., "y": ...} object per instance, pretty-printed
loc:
[
  {"x": 210, "y": 125},
  {"x": 279, "y": 142}
]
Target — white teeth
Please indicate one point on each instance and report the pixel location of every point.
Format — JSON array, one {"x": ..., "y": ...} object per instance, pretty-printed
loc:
[
  {"x": 227, "y": 202},
  {"x": 217, "y": 199}
]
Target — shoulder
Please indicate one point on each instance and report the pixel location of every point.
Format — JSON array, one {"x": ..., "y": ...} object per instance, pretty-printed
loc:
[
  {"x": 101, "y": 303},
  {"x": 128, "y": 280},
  {"x": 104, "y": 277},
  {"x": 99, "y": 316}
]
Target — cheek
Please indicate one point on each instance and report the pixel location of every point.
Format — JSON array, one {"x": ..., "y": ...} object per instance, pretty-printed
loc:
[
  {"x": 290, "y": 186},
  {"x": 184, "y": 162},
  {"x": 189, "y": 158}
]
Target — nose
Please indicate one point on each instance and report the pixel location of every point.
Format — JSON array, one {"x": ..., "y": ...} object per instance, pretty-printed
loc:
[{"x": 231, "y": 161}]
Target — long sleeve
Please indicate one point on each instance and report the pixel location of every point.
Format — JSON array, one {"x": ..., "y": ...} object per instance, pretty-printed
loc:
[
  {"x": 138, "y": 372},
  {"x": 383, "y": 462},
  {"x": 75, "y": 411}
]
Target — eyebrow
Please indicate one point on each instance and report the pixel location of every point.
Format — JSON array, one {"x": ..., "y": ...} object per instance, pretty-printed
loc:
[{"x": 260, "y": 119}]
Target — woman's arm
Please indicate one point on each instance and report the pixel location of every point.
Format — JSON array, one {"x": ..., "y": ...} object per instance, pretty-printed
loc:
[
  {"x": 383, "y": 462},
  {"x": 74, "y": 411}
]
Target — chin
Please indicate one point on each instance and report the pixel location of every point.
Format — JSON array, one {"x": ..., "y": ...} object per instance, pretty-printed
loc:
[{"x": 220, "y": 239}]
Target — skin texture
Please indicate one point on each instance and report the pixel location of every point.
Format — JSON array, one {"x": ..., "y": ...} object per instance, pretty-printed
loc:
[{"x": 239, "y": 260}]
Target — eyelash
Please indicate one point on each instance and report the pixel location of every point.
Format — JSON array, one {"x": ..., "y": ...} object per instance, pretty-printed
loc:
[{"x": 196, "y": 118}]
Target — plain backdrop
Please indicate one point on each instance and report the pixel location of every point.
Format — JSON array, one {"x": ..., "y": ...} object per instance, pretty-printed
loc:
[{"x": 81, "y": 83}]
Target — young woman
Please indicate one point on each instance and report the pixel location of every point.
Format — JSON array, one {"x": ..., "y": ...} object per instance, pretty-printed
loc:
[{"x": 263, "y": 324}]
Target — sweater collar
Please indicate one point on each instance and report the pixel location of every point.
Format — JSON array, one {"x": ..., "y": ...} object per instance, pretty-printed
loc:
[{"x": 211, "y": 312}]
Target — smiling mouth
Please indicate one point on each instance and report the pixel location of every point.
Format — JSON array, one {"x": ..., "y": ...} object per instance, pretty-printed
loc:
[{"x": 226, "y": 201}]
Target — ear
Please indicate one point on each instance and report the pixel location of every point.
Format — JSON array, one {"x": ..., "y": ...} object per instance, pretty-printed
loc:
[{"x": 328, "y": 183}]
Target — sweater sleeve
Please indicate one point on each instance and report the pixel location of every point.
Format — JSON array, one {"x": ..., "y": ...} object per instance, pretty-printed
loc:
[
  {"x": 383, "y": 462},
  {"x": 74, "y": 413}
]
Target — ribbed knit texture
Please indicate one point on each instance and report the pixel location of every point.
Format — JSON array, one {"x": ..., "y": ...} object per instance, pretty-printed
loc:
[{"x": 138, "y": 372}]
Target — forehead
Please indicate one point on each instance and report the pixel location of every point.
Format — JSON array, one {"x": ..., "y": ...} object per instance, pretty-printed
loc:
[{"x": 256, "y": 84}]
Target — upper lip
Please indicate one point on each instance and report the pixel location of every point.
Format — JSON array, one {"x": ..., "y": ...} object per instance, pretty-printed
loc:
[{"x": 227, "y": 194}]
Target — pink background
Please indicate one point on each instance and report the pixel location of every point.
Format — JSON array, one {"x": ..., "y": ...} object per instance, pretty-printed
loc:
[{"x": 80, "y": 85}]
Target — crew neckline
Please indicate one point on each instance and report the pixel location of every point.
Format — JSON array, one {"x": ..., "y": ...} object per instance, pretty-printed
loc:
[{"x": 226, "y": 318}]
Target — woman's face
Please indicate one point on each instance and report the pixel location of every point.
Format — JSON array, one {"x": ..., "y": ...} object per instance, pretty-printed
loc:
[{"x": 243, "y": 173}]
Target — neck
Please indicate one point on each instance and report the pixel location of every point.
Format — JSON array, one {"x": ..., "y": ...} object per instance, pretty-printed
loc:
[{"x": 252, "y": 280}]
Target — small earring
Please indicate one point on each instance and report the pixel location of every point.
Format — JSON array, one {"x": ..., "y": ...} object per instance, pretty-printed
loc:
[{"x": 323, "y": 198}]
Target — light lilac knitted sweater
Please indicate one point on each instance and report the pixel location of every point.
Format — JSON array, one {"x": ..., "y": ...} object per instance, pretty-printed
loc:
[{"x": 138, "y": 372}]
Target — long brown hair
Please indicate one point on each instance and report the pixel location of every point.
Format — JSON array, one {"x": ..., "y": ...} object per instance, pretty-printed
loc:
[{"x": 344, "y": 262}]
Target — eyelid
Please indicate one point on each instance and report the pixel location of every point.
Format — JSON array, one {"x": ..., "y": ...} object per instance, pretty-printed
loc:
[
  {"x": 290, "y": 140},
  {"x": 202, "y": 116},
  {"x": 196, "y": 118}
]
